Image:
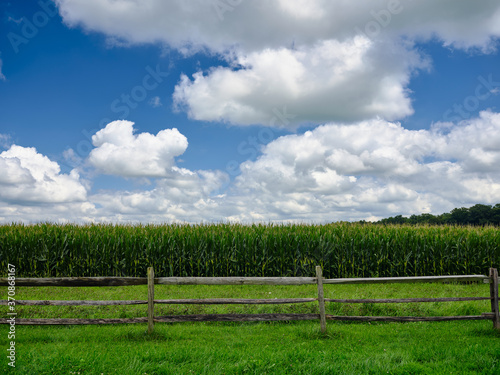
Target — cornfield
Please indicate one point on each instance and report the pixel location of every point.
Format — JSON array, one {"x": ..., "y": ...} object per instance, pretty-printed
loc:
[{"x": 342, "y": 249}]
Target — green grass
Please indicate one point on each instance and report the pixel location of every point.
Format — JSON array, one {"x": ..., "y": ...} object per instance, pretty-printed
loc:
[
  {"x": 275, "y": 348},
  {"x": 465, "y": 347}
]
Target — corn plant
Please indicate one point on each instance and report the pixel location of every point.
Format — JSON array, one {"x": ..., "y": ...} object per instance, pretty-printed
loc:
[{"x": 342, "y": 249}]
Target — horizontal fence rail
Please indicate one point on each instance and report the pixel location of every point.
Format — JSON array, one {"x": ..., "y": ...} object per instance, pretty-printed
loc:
[
  {"x": 124, "y": 281},
  {"x": 77, "y": 281},
  {"x": 235, "y": 280},
  {"x": 150, "y": 281},
  {"x": 415, "y": 279},
  {"x": 75, "y": 303}
]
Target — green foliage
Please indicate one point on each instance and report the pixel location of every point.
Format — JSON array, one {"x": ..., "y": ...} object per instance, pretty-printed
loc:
[
  {"x": 342, "y": 249},
  {"x": 479, "y": 214}
]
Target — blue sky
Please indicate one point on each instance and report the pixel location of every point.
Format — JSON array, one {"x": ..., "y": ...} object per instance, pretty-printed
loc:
[{"x": 190, "y": 111}]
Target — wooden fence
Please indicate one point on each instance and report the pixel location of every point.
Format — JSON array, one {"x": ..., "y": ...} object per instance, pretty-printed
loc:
[{"x": 492, "y": 279}]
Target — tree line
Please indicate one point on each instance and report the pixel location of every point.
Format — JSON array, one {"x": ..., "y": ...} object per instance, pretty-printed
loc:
[{"x": 479, "y": 214}]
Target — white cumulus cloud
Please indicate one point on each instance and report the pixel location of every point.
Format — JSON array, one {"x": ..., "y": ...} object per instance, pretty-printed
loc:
[
  {"x": 331, "y": 61},
  {"x": 366, "y": 170},
  {"x": 371, "y": 169},
  {"x": 118, "y": 151},
  {"x": 27, "y": 177},
  {"x": 332, "y": 80},
  {"x": 259, "y": 24},
  {"x": 176, "y": 194},
  {"x": 183, "y": 197}
]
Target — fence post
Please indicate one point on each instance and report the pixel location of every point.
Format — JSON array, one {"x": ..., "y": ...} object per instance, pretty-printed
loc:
[
  {"x": 494, "y": 297},
  {"x": 321, "y": 299},
  {"x": 151, "y": 298}
]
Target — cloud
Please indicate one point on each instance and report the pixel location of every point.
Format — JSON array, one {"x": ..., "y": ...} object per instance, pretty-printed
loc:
[
  {"x": 328, "y": 61},
  {"x": 155, "y": 102},
  {"x": 118, "y": 151},
  {"x": 372, "y": 169},
  {"x": 28, "y": 177},
  {"x": 177, "y": 194},
  {"x": 5, "y": 140},
  {"x": 260, "y": 24},
  {"x": 183, "y": 197},
  {"x": 367, "y": 170},
  {"x": 2, "y": 77},
  {"x": 32, "y": 188},
  {"x": 476, "y": 143},
  {"x": 330, "y": 81}
]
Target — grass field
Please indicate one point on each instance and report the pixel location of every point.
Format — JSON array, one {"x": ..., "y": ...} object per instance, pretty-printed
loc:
[
  {"x": 343, "y": 250},
  {"x": 468, "y": 347},
  {"x": 275, "y": 348}
]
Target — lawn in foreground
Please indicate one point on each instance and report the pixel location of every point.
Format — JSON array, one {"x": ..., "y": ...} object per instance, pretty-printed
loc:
[
  {"x": 259, "y": 348},
  {"x": 463, "y": 347}
]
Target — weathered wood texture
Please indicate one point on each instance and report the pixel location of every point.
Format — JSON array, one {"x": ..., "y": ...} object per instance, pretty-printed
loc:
[
  {"x": 74, "y": 303},
  {"x": 235, "y": 280},
  {"x": 408, "y": 300},
  {"x": 151, "y": 298},
  {"x": 234, "y": 301},
  {"x": 74, "y": 321},
  {"x": 77, "y": 281},
  {"x": 123, "y": 281},
  {"x": 494, "y": 298},
  {"x": 407, "y": 318},
  {"x": 321, "y": 299},
  {"x": 416, "y": 279}
]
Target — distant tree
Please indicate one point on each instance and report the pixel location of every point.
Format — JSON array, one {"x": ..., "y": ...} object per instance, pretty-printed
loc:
[
  {"x": 460, "y": 216},
  {"x": 429, "y": 219},
  {"x": 495, "y": 214},
  {"x": 399, "y": 219},
  {"x": 444, "y": 218},
  {"x": 414, "y": 219},
  {"x": 480, "y": 214}
]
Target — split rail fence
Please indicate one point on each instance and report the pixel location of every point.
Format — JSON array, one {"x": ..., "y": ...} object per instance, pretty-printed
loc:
[{"x": 492, "y": 279}]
